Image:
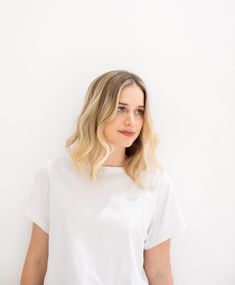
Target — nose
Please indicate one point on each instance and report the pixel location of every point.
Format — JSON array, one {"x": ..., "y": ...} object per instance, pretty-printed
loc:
[{"x": 130, "y": 120}]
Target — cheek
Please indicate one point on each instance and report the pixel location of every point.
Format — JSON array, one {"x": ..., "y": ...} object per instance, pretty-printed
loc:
[
  {"x": 141, "y": 123},
  {"x": 109, "y": 128},
  {"x": 112, "y": 125}
]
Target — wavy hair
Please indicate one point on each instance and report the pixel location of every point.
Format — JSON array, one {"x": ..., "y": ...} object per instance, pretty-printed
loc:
[{"x": 100, "y": 107}]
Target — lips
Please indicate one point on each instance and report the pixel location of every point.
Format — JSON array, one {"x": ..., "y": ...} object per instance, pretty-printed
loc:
[{"x": 127, "y": 133}]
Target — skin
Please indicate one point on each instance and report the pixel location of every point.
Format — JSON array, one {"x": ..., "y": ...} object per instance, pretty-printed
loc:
[
  {"x": 157, "y": 264},
  {"x": 35, "y": 265},
  {"x": 129, "y": 117}
]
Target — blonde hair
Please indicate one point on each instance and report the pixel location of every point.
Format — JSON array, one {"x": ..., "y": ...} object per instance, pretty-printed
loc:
[{"x": 100, "y": 106}]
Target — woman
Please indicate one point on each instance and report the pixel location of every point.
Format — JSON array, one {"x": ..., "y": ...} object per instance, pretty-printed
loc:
[{"x": 105, "y": 214}]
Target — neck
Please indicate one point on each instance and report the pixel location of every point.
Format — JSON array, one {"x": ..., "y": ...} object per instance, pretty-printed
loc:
[{"x": 116, "y": 158}]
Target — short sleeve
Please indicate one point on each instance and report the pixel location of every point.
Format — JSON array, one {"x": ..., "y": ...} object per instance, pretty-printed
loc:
[
  {"x": 37, "y": 205},
  {"x": 167, "y": 217}
]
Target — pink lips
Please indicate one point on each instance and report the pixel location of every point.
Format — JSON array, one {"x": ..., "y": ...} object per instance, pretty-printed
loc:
[{"x": 126, "y": 133}]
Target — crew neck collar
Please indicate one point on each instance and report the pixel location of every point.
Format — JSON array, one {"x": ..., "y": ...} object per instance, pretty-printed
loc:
[
  {"x": 107, "y": 168},
  {"x": 111, "y": 166},
  {"x": 112, "y": 169}
]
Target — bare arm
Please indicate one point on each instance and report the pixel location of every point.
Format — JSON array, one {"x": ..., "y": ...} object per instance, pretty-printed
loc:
[
  {"x": 35, "y": 265},
  {"x": 157, "y": 264}
]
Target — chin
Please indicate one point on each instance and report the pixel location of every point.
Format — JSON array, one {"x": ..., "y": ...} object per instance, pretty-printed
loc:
[
  {"x": 128, "y": 145},
  {"x": 122, "y": 143}
]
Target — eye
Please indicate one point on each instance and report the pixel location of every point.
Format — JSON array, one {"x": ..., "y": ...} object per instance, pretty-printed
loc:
[
  {"x": 121, "y": 109},
  {"x": 140, "y": 112}
]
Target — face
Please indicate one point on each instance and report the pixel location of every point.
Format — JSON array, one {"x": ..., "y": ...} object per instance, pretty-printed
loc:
[{"x": 123, "y": 130}]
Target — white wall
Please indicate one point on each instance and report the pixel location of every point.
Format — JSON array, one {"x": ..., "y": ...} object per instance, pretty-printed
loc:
[{"x": 184, "y": 50}]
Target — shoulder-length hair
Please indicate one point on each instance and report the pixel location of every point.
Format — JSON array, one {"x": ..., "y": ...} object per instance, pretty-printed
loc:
[{"x": 100, "y": 107}]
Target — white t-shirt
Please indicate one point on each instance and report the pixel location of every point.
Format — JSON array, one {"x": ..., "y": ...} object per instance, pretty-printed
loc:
[{"x": 98, "y": 232}]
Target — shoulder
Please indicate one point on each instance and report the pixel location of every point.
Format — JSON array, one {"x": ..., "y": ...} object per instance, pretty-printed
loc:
[
  {"x": 156, "y": 179},
  {"x": 60, "y": 164}
]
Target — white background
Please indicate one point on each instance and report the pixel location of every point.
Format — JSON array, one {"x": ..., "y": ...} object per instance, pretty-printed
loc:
[{"x": 184, "y": 50}]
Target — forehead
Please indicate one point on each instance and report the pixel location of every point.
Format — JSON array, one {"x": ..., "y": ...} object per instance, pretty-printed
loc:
[{"x": 132, "y": 94}]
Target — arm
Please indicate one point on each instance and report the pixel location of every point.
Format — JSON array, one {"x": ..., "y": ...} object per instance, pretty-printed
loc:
[
  {"x": 157, "y": 264},
  {"x": 35, "y": 265}
]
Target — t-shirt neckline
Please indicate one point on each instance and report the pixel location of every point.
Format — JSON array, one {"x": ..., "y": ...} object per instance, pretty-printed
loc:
[{"x": 112, "y": 169}]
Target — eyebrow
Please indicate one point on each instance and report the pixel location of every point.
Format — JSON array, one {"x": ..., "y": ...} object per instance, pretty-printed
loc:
[{"x": 140, "y": 106}]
